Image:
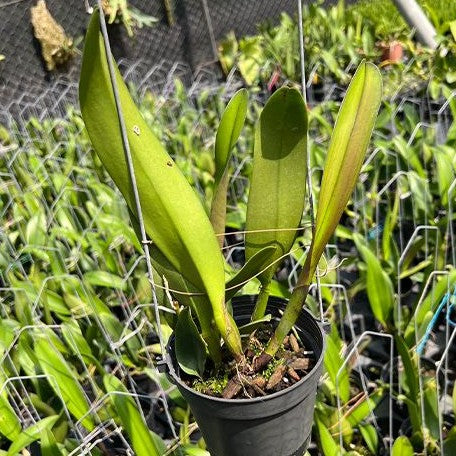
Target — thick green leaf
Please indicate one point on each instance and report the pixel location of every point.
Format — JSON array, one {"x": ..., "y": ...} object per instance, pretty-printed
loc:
[
  {"x": 173, "y": 215},
  {"x": 402, "y": 447},
  {"x": 143, "y": 441},
  {"x": 411, "y": 382},
  {"x": 78, "y": 344},
  {"x": 247, "y": 329},
  {"x": 63, "y": 380},
  {"x": 364, "y": 409},
  {"x": 10, "y": 426},
  {"x": 227, "y": 135},
  {"x": 327, "y": 443},
  {"x": 278, "y": 181},
  {"x": 379, "y": 286},
  {"x": 251, "y": 268},
  {"x": 190, "y": 347},
  {"x": 370, "y": 436},
  {"x": 229, "y": 130},
  {"x": 105, "y": 279},
  {"x": 444, "y": 169},
  {"x": 333, "y": 362},
  {"x": 48, "y": 446},
  {"x": 347, "y": 149},
  {"x": 187, "y": 294},
  {"x": 31, "y": 434}
]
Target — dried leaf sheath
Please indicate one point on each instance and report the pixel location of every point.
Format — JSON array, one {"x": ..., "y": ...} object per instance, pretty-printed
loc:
[{"x": 56, "y": 46}]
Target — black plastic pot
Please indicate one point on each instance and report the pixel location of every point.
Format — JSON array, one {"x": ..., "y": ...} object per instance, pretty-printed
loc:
[{"x": 279, "y": 424}]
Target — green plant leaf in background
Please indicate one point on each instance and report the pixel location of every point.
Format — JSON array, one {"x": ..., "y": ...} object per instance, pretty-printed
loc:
[
  {"x": 63, "y": 380},
  {"x": 228, "y": 132},
  {"x": 327, "y": 443},
  {"x": 346, "y": 153},
  {"x": 190, "y": 347},
  {"x": 402, "y": 447},
  {"x": 10, "y": 426},
  {"x": 370, "y": 436},
  {"x": 333, "y": 362},
  {"x": 278, "y": 181},
  {"x": 105, "y": 279},
  {"x": 379, "y": 286},
  {"x": 31, "y": 434},
  {"x": 174, "y": 217},
  {"x": 143, "y": 441}
]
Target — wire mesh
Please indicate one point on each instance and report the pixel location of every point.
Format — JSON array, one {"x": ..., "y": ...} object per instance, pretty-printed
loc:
[{"x": 43, "y": 196}]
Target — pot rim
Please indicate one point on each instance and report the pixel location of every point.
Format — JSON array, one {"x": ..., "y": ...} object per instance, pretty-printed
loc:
[{"x": 312, "y": 373}]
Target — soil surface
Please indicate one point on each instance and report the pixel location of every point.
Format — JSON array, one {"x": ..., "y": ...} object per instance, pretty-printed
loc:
[{"x": 240, "y": 381}]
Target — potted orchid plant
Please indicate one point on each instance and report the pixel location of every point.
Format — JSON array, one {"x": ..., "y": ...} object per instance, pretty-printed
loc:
[{"x": 249, "y": 368}]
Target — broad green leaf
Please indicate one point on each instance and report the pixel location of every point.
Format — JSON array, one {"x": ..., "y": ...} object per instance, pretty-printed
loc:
[
  {"x": 327, "y": 443},
  {"x": 333, "y": 362},
  {"x": 190, "y": 347},
  {"x": 187, "y": 294},
  {"x": 31, "y": 434},
  {"x": 347, "y": 149},
  {"x": 48, "y": 446},
  {"x": 411, "y": 382},
  {"x": 379, "y": 287},
  {"x": 174, "y": 217},
  {"x": 445, "y": 173},
  {"x": 365, "y": 408},
  {"x": 105, "y": 279},
  {"x": 143, "y": 441},
  {"x": 251, "y": 268},
  {"x": 449, "y": 444},
  {"x": 63, "y": 380},
  {"x": 228, "y": 133},
  {"x": 72, "y": 334},
  {"x": 402, "y": 447},
  {"x": 250, "y": 327},
  {"x": 194, "y": 451},
  {"x": 10, "y": 426},
  {"x": 370, "y": 436},
  {"x": 278, "y": 181},
  {"x": 229, "y": 130}
]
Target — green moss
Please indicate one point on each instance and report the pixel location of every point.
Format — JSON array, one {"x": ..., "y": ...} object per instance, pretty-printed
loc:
[
  {"x": 270, "y": 368},
  {"x": 214, "y": 385}
]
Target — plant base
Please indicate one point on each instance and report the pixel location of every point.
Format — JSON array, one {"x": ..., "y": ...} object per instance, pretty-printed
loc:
[{"x": 275, "y": 425}]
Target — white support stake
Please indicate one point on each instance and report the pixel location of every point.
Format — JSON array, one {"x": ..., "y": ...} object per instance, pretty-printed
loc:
[{"x": 415, "y": 17}]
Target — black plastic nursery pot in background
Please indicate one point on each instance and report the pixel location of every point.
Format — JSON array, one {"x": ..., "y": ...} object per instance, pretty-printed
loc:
[{"x": 278, "y": 424}]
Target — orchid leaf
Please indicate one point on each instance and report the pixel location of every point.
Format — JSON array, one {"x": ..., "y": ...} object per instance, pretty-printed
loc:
[
  {"x": 190, "y": 347},
  {"x": 10, "y": 426},
  {"x": 228, "y": 133},
  {"x": 278, "y": 181},
  {"x": 31, "y": 434},
  {"x": 250, "y": 270},
  {"x": 248, "y": 328},
  {"x": 379, "y": 286},
  {"x": 174, "y": 217},
  {"x": 63, "y": 380},
  {"x": 143, "y": 441},
  {"x": 402, "y": 447},
  {"x": 347, "y": 149}
]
